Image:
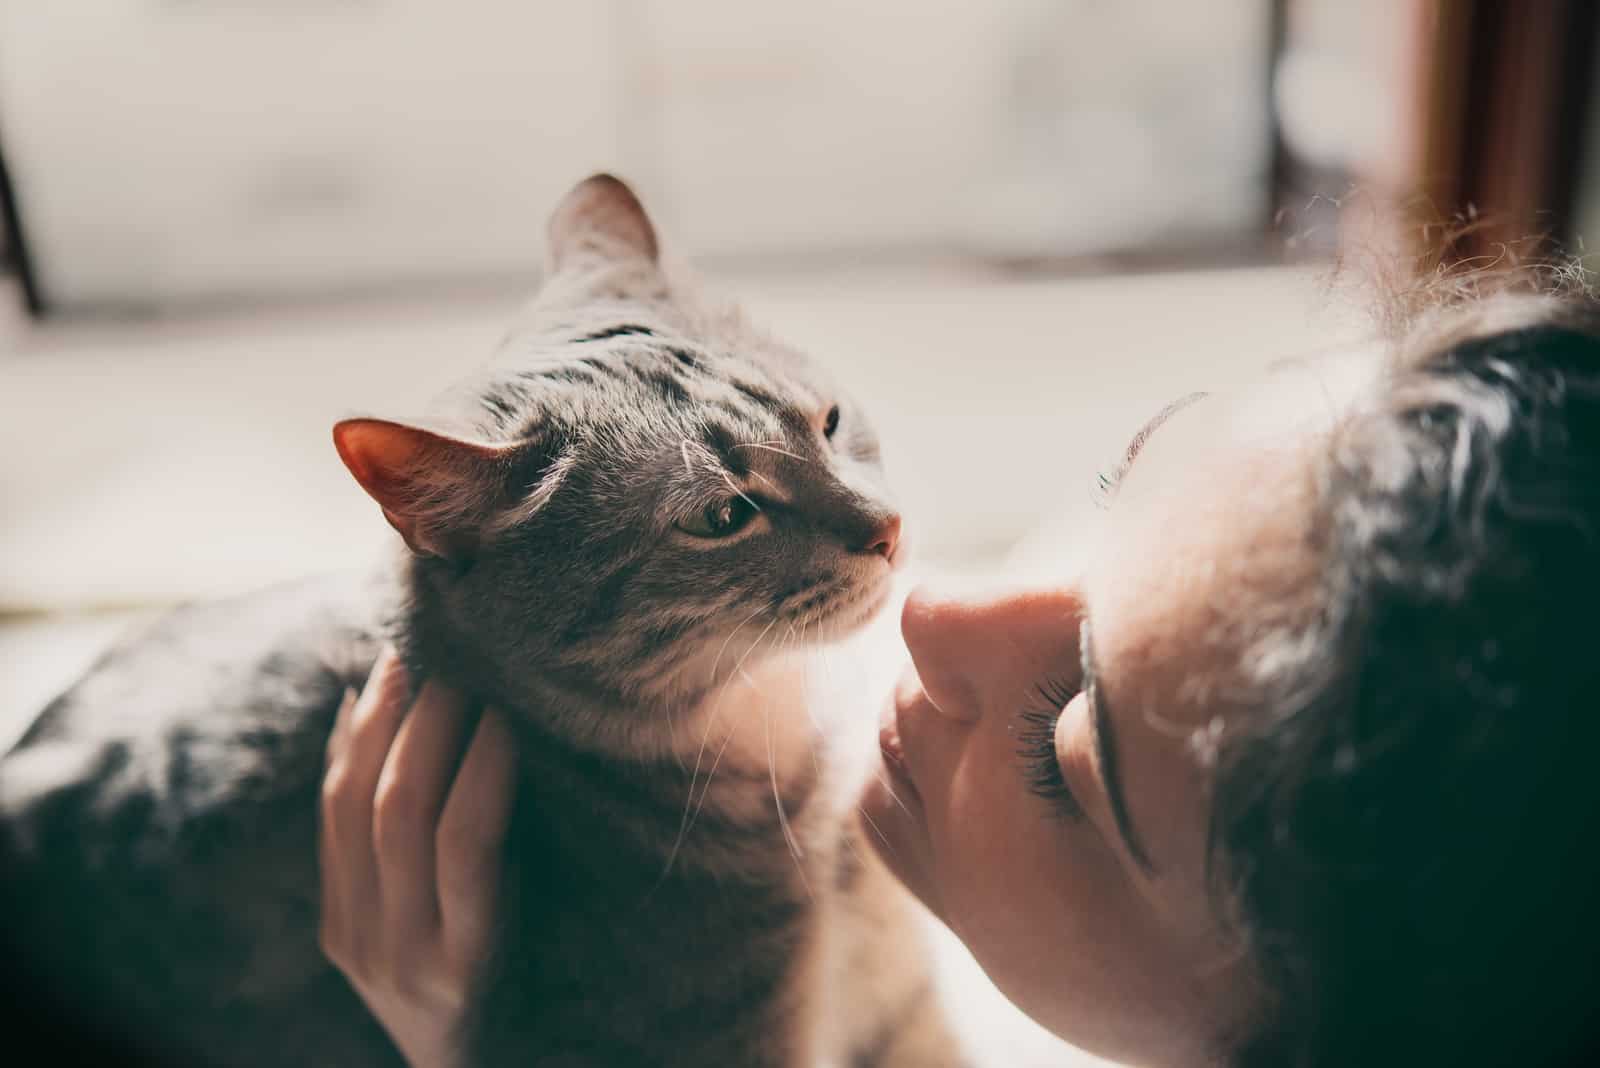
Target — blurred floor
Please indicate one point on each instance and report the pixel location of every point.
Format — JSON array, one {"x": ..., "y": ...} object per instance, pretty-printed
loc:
[{"x": 145, "y": 463}]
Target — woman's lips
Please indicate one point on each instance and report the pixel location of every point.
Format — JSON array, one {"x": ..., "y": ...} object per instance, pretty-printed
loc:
[{"x": 894, "y": 758}]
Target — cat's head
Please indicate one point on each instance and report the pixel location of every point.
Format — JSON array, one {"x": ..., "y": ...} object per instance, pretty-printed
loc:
[{"x": 638, "y": 491}]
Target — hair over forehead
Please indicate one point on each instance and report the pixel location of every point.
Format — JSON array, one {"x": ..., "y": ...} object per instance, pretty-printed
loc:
[{"x": 1403, "y": 827}]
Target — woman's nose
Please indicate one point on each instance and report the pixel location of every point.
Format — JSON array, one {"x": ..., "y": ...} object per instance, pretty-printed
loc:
[{"x": 974, "y": 650}]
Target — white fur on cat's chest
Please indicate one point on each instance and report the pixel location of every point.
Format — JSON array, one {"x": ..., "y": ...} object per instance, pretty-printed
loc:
[{"x": 814, "y": 709}]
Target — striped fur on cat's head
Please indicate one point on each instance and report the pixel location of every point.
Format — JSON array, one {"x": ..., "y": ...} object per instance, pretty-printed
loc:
[{"x": 637, "y": 490}]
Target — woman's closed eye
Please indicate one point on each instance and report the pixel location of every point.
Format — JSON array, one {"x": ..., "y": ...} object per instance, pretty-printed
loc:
[{"x": 1036, "y": 749}]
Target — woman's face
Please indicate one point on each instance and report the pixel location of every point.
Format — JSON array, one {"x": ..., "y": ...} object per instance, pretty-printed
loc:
[{"x": 1051, "y": 806}]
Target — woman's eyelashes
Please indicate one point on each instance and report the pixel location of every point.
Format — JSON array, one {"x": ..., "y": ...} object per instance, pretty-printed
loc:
[{"x": 1036, "y": 748}]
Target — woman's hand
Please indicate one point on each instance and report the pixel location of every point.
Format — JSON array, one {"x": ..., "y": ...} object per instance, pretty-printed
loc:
[{"x": 410, "y": 854}]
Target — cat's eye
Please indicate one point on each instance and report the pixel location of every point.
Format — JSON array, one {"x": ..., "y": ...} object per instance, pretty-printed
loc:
[
  {"x": 720, "y": 520},
  {"x": 831, "y": 423}
]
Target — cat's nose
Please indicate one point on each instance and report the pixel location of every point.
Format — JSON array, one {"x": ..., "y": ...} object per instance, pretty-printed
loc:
[{"x": 885, "y": 539}]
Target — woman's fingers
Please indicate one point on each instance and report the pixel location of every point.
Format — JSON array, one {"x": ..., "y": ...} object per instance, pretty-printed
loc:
[
  {"x": 333, "y": 895},
  {"x": 411, "y": 794},
  {"x": 410, "y": 853},
  {"x": 339, "y": 737},
  {"x": 356, "y": 760},
  {"x": 471, "y": 838}
]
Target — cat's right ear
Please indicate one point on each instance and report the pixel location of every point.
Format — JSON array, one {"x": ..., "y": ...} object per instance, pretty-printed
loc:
[
  {"x": 441, "y": 493},
  {"x": 600, "y": 222}
]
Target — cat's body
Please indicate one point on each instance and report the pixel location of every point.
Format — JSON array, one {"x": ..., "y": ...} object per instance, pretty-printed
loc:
[
  {"x": 681, "y": 887},
  {"x": 159, "y": 889}
]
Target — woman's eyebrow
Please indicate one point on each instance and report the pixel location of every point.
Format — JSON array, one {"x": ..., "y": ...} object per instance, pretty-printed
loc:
[
  {"x": 1105, "y": 750},
  {"x": 1172, "y": 409}
]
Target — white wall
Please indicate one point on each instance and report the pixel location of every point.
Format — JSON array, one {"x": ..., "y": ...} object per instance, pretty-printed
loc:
[
  {"x": 165, "y": 150},
  {"x": 162, "y": 150}
]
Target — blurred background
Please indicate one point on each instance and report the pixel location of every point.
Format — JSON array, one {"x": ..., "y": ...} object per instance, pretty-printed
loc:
[{"x": 1014, "y": 228}]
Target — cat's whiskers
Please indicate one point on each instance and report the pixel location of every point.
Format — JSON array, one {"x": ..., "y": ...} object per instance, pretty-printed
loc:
[
  {"x": 848, "y": 841},
  {"x": 777, "y": 799},
  {"x": 737, "y": 491},
  {"x": 806, "y": 695},
  {"x": 875, "y": 829},
  {"x": 807, "y": 700},
  {"x": 772, "y": 758},
  {"x": 738, "y": 669},
  {"x": 876, "y": 771},
  {"x": 883, "y": 780},
  {"x": 672, "y": 739},
  {"x": 689, "y": 449},
  {"x": 818, "y": 736},
  {"x": 814, "y": 737},
  {"x": 705, "y": 791},
  {"x": 771, "y": 446},
  {"x": 724, "y": 647},
  {"x": 690, "y": 812}
]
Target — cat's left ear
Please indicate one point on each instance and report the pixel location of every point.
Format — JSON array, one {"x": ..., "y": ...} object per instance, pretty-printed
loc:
[
  {"x": 600, "y": 221},
  {"x": 441, "y": 493}
]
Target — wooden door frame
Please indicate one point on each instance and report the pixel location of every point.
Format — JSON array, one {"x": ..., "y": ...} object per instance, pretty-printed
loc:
[{"x": 1501, "y": 100}]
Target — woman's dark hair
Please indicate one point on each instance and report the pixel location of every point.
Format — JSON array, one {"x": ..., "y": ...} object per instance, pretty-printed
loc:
[{"x": 1408, "y": 836}]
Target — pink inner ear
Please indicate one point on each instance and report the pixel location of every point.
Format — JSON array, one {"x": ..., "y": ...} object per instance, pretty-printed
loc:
[
  {"x": 601, "y": 215},
  {"x": 382, "y": 456},
  {"x": 435, "y": 490}
]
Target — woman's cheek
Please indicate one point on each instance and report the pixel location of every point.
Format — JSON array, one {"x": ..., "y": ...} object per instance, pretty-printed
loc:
[
  {"x": 1018, "y": 886},
  {"x": 1006, "y": 841}
]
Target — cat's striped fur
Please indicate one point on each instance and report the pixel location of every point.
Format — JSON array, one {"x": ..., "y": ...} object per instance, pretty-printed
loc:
[{"x": 681, "y": 883}]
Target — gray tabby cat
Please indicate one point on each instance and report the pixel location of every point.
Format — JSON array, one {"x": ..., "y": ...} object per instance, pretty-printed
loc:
[{"x": 611, "y": 532}]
